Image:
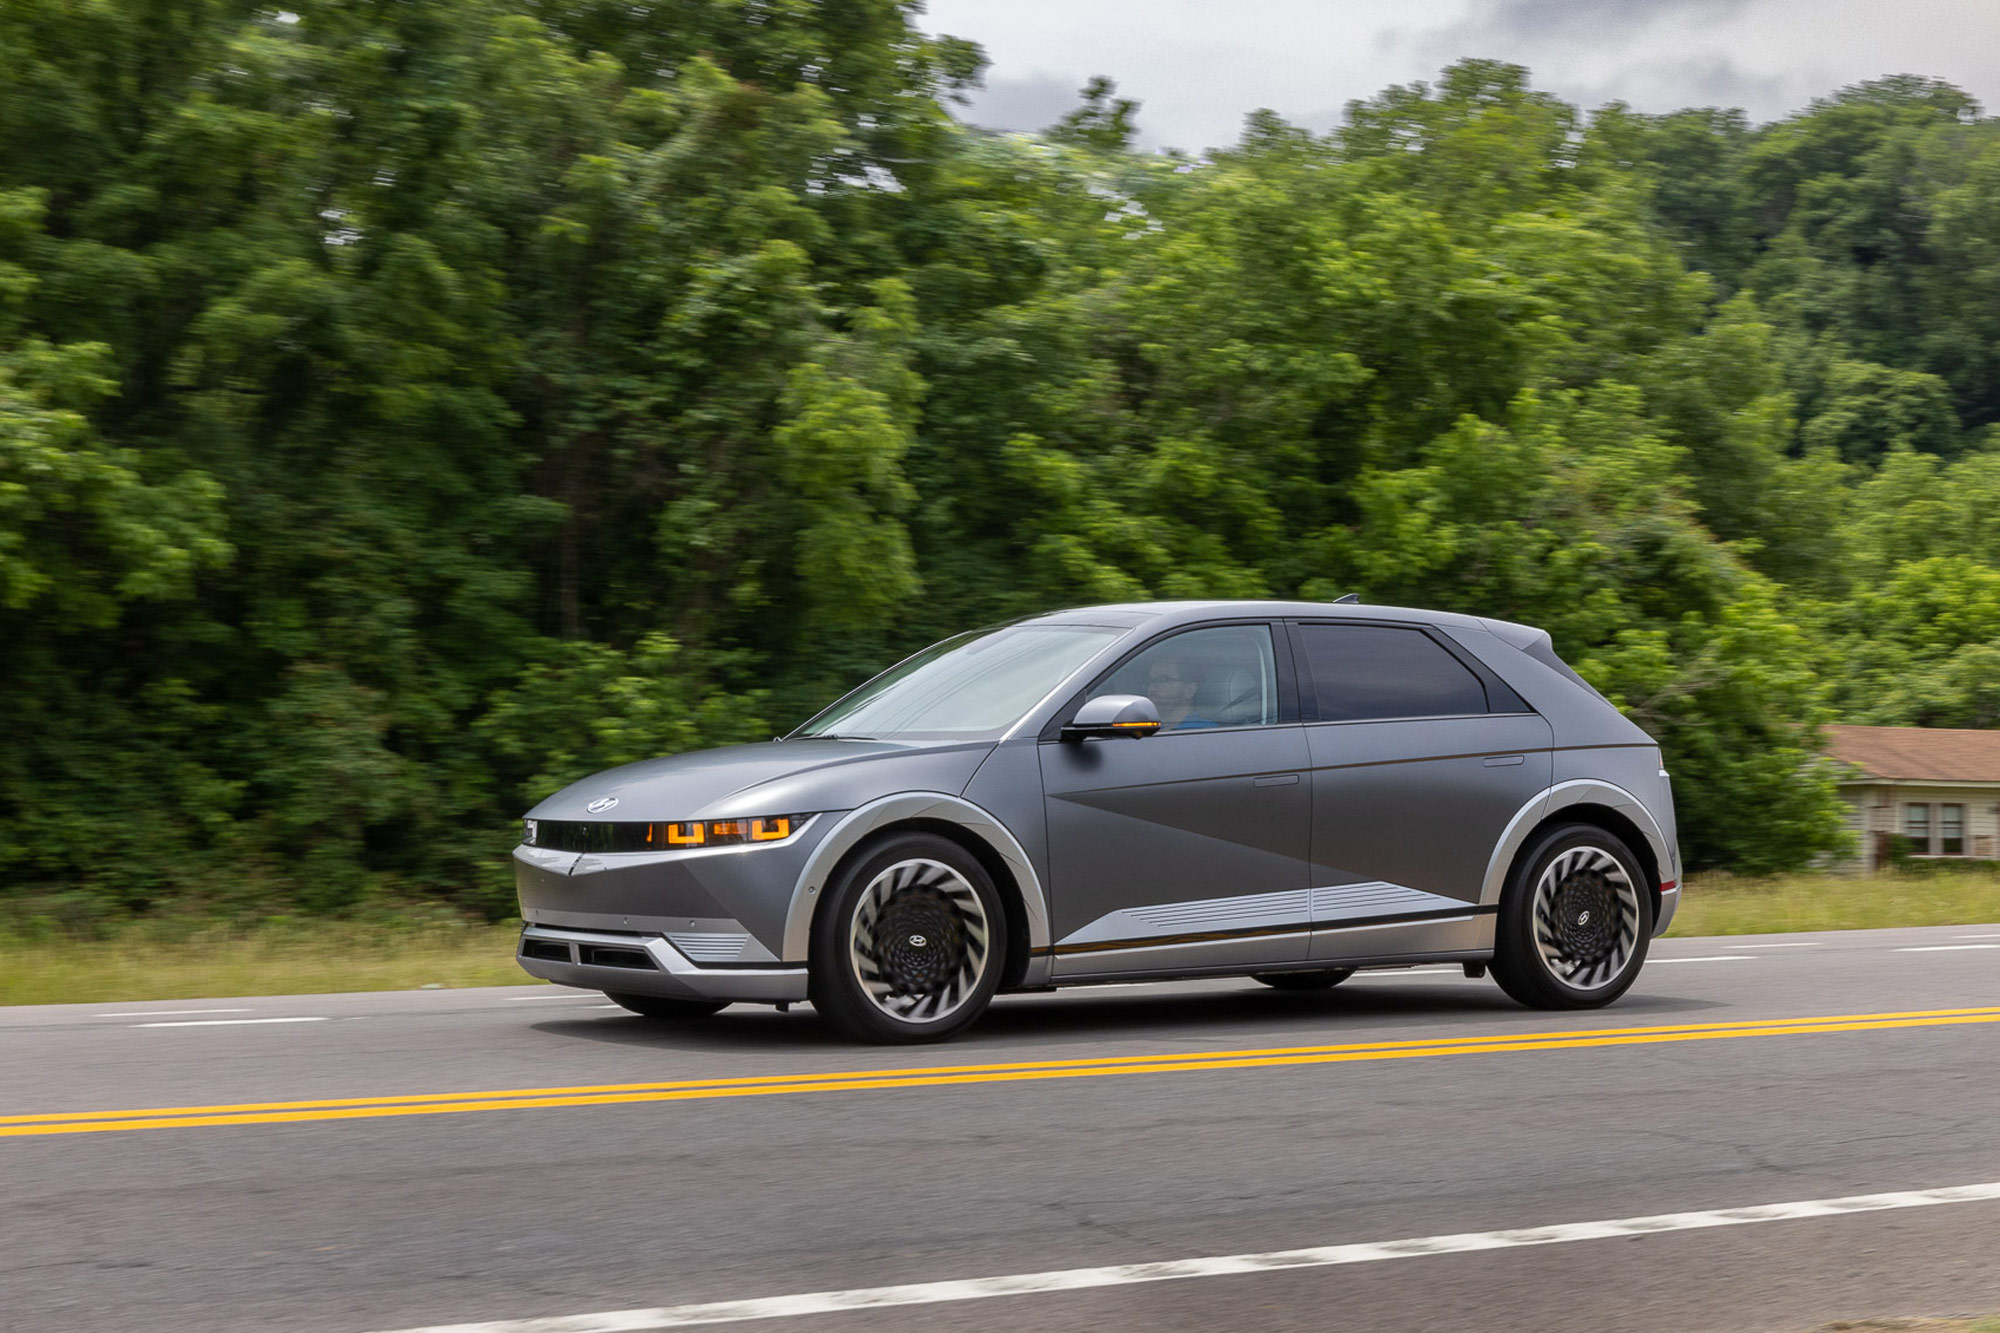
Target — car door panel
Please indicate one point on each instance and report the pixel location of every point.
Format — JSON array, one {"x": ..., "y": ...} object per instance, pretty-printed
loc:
[
  {"x": 1421, "y": 758},
  {"x": 1406, "y": 815},
  {"x": 1177, "y": 850}
]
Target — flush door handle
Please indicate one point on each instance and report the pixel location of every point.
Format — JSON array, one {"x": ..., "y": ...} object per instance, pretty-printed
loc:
[
  {"x": 1279, "y": 780},
  {"x": 1505, "y": 760}
]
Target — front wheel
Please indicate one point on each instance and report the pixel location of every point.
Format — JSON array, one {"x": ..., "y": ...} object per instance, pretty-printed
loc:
[
  {"x": 1323, "y": 979},
  {"x": 910, "y": 942},
  {"x": 1575, "y": 920},
  {"x": 662, "y": 1006}
]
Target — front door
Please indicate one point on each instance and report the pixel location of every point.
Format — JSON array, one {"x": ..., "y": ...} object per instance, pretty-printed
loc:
[
  {"x": 1187, "y": 849},
  {"x": 1420, "y": 759}
]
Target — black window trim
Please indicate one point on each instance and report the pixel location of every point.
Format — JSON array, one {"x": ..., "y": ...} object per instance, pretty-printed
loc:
[
  {"x": 1289, "y": 711},
  {"x": 1309, "y": 699}
]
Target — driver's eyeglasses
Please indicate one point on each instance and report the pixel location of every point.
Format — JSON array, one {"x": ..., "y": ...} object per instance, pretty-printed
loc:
[{"x": 1166, "y": 678}]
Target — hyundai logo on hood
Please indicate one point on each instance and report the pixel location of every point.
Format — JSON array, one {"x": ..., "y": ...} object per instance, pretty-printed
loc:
[{"x": 601, "y": 804}]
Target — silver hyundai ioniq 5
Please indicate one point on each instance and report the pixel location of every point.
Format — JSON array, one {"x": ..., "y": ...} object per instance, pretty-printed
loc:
[{"x": 1280, "y": 790}]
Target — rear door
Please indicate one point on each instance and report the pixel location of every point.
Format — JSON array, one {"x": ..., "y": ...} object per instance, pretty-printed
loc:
[
  {"x": 1187, "y": 849},
  {"x": 1420, "y": 758}
]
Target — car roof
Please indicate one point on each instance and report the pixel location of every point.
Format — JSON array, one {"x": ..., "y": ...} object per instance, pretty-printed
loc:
[{"x": 1166, "y": 615}]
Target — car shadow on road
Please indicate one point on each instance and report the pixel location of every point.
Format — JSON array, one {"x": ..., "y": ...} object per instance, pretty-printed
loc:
[{"x": 1252, "y": 1014}]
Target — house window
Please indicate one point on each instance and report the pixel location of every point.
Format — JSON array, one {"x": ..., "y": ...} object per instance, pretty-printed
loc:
[
  {"x": 1951, "y": 830},
  {"x": 1917, "y": 828}
]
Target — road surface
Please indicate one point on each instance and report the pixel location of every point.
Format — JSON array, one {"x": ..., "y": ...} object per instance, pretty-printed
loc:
[{"x": 354, "y": 1163}]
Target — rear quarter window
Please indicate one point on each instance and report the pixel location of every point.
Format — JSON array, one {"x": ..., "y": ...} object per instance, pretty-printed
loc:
[{"x": 1359, "y": 672}]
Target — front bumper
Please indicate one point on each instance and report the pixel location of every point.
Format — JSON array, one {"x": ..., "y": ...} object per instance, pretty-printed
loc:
[
  {"x": 633, "y": 963},
  {"x": 746, "y": 888}
]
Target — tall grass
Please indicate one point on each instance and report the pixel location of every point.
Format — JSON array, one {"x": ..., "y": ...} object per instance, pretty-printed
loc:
[
  {"x": 1729, "y": 905},
  {"x": 182, "y": 959}
]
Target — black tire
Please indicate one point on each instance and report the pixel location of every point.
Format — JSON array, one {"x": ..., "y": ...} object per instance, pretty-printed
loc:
[
  {"x": 1575, "y": 919},
  {"x": 662, "y": 1006},
  {"x": 1325, "y": 978},
  {"x": 909, "y": 943}
]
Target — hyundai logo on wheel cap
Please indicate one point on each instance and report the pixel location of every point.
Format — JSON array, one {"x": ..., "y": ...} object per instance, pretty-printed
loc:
[{"x": 600, "y": 805}]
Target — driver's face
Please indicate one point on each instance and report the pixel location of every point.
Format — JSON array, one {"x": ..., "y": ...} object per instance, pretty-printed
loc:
[{"x": 1169, "y": 682}]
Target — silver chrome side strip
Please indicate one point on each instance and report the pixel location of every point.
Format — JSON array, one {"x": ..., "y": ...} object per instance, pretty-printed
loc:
[{"x": 1315, "y": 909}]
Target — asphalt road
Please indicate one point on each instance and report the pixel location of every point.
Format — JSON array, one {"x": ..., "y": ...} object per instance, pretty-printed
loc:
[{"x": 1149, "y": 1124}]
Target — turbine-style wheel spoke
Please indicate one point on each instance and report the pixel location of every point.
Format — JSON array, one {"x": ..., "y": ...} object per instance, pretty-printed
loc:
[
  {"x": 919, "y": 940},
  {"x": 1586, "y": 918}
]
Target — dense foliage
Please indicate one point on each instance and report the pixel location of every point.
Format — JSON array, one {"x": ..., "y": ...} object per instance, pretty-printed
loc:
[{"x": 407, "y": 407}]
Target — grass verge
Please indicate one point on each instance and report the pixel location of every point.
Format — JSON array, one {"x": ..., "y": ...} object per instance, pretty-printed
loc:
[
  {"x": 1991, "y": 1323},
  {"x": 1728, "y": 905},
  {"x": 184, "y": 960}
]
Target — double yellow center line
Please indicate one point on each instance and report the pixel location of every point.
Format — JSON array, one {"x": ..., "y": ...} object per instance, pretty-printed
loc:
[{"x": 864, "y": 1080}]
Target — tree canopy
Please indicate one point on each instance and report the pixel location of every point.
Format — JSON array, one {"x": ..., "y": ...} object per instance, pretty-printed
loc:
[{"x": 405, "y": 409}]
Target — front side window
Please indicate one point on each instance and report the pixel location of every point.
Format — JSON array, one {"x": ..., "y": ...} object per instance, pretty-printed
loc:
[
  {"x": 1917, "y": 828},
  {"x": 1951, "y": 830},
  {"x": 1205, "y": 678},
  {"x": 971, "y": 687},
  {"x": 1361, "y": 672}
]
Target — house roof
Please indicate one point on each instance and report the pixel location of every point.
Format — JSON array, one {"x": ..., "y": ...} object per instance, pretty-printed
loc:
[{"x": 1917, "y": 754}]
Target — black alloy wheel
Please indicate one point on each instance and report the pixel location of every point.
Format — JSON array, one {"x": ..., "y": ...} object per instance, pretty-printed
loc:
[
  {"x": 910, "y": 942},
  {"x": 1575, "y": 920}
]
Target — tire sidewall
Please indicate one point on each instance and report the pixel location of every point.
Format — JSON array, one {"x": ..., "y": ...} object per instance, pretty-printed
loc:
[
  {"x": 1518, "y": 964},
  {"x": 837, "y": 993}
]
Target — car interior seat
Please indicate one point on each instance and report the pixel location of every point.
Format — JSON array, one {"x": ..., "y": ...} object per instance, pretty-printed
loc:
[{"x": 1231, "y": 696}]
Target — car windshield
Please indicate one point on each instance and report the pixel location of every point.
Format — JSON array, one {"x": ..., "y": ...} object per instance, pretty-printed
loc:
[{"x": 977, "y": 684}]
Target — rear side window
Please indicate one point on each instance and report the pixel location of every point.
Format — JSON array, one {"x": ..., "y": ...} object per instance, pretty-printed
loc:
[{"x": 1380, "y": 671}]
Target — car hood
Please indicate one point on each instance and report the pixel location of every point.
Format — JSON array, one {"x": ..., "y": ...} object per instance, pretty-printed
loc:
[{"x": 775, "y": 778}]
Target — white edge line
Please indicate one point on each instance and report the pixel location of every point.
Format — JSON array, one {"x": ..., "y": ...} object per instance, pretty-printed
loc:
[
  {"x": 161, "y": 1013},
  {"x": 1788, "y": 944},
  {"x": 554, "y": 995},
  {"x": 1706, "y": 958},
  {"x": 1943, "y": 948},
  {"x": 1120, "y": 1275},
  {"x": 1994, "y": 936},
  {"x": 228, "y": 1022}
]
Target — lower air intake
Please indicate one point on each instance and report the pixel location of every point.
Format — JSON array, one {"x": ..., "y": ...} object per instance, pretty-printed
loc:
[{"x": 597, "y": 955}]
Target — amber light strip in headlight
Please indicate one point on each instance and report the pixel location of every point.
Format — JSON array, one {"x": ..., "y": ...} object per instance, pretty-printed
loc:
[
  {"x": 722, "y": 832},
  {"x": 564, "y": 835}
]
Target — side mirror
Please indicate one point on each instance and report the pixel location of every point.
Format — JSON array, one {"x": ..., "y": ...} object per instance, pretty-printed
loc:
[{"x": 1113, "y": 715}]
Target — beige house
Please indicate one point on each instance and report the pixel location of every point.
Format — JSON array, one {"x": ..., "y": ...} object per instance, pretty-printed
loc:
[{"x": 1937, "y": 787}]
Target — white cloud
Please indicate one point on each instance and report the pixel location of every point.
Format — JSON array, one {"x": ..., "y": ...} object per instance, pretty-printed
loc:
[{"x": 1197, "y": 67}]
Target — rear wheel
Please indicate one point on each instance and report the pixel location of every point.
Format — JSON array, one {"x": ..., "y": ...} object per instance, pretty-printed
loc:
[
  {"x": 662, "y": 1006},
  {"x": 1323, "y": 979},
  {"x": 910, "y": 942},
  {"x": 1575, "y": 921}
]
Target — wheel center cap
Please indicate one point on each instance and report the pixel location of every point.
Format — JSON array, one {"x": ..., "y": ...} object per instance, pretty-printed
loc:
[
  {"x": 1583, "y": 918},
  {"x": 918, "y": 942}
]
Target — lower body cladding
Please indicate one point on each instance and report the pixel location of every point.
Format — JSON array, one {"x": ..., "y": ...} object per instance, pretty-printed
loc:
[
  {"x": 1349, "y": 925},
  {"x": 632, "y": 963}
]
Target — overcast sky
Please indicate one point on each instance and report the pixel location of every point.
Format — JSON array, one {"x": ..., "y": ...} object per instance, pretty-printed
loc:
[{"x": 1198, "y": 65}]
